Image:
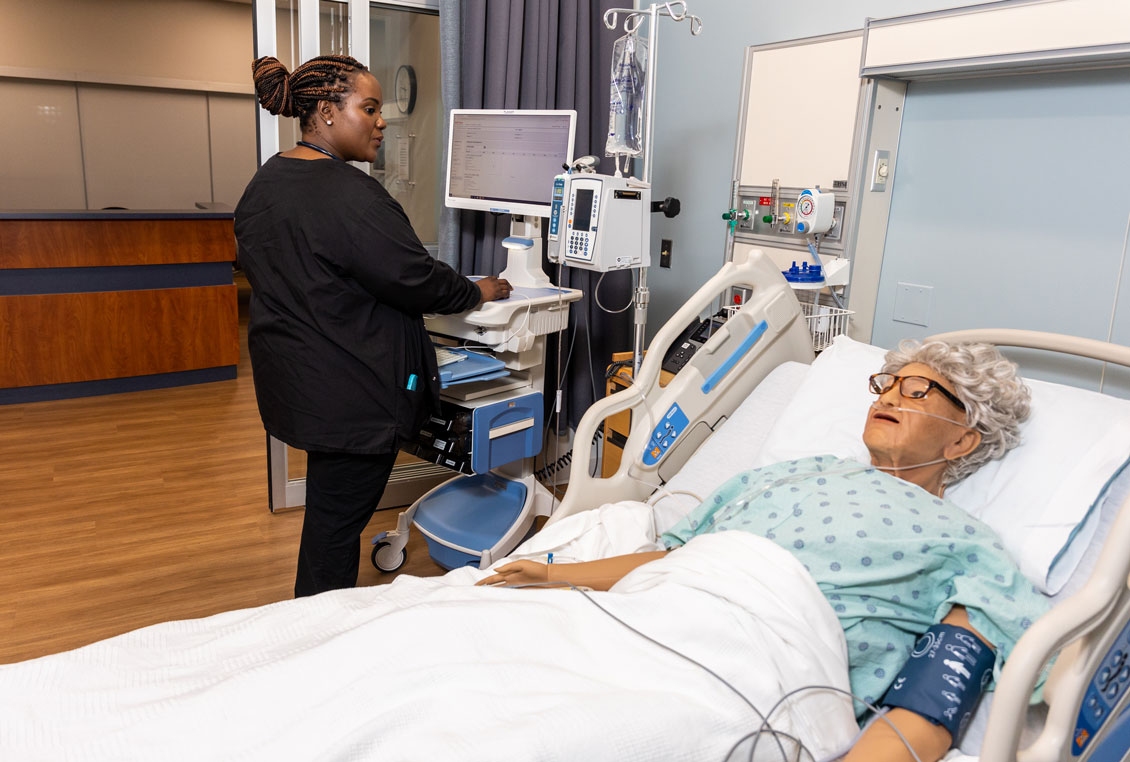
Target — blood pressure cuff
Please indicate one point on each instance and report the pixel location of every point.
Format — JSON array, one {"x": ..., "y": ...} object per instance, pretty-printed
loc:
[{"x": 945, "y": 675}]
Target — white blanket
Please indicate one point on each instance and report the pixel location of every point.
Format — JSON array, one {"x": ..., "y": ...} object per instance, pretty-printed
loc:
[{"x": 430, "y": 668}]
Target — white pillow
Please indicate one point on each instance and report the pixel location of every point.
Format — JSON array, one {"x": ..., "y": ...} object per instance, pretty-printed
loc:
[{"x": 1036, "y": 498}]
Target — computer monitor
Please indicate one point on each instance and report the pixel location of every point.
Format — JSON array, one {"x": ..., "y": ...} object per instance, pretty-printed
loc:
[{"x": 505, "y": 160}]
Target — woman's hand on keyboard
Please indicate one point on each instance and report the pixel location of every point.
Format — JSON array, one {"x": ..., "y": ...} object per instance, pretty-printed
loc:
[{"x": 492, "y": 288}]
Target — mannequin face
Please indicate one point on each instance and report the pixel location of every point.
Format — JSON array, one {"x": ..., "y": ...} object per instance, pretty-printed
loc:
[
  {"x": 356, "y": 128},
  {"x": 899, "y": 438}
]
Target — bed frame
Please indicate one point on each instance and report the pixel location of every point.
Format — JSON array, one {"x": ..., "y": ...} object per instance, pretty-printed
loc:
[
  {"x": 1083, "y": 629},
  {"x": 769, "y": 330}
]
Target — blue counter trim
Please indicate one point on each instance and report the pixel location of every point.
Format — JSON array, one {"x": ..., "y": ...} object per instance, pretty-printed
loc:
[
  {"x": 75, "y": 280},
  {"x": 115, "y": 385}
]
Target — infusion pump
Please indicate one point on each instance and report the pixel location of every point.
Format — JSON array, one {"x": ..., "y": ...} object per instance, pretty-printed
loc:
[{"x": 600, "y": 222}]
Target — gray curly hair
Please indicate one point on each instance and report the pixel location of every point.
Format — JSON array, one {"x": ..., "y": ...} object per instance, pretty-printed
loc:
[{"x": 996, "y": 398}]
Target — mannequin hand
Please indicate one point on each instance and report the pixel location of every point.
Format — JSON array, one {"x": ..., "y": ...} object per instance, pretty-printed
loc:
[
  {"x": 518, "y": 573},
  {"x": 492, "y": 288}
]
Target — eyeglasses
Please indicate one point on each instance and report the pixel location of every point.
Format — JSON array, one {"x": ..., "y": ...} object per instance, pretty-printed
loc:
[{"x": 911, "y": 387}]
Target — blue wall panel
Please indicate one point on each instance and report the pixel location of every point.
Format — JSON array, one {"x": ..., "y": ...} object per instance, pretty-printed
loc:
[{"x": 1010, "y": 201}]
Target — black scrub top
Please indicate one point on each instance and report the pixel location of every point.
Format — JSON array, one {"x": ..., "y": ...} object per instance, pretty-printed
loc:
[{"x": 339, "y": 285}]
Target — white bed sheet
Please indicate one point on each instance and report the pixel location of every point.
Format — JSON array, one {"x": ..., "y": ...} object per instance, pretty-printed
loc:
[{"x": 431, "y": 668}]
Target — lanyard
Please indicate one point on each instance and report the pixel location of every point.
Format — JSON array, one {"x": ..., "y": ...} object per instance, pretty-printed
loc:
[{"x": 319, "y": 149}]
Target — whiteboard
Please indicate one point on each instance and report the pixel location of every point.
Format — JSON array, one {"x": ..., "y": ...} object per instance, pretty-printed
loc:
[{"x": 800, "y": 113}]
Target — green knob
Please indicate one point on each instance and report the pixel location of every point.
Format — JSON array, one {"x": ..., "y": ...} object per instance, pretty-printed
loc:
[
  {"x": 767, "y": 218},
  {"x": 728, "y": 215}
]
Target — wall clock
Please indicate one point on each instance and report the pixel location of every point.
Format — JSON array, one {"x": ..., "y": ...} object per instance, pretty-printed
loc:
[{"x": 405, "y": 87}]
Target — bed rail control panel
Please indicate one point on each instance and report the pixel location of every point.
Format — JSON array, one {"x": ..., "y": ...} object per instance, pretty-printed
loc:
[
  {"x": 1108, "y": 687},
  {"x": 673, "y": 424}
]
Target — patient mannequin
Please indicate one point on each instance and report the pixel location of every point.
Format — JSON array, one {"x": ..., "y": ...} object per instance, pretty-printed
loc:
[{"x": 915, "y": 559}]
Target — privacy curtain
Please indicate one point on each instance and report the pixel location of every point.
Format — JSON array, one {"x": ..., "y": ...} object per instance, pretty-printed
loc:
[{"x": 539, "y": 54}]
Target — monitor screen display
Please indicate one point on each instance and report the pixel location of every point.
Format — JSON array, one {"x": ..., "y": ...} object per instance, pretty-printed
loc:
[{"x": 505, "y": 161}]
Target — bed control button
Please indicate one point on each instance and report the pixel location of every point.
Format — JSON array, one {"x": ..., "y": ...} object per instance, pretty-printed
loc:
[
  {"x": 1104, "y": 676},
  {"x": 1112, "y": 691}
]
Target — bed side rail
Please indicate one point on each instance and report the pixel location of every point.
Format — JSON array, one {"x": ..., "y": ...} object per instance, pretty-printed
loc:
[
  {"x": 1087, "y": 624},
  {"x": 769, "y": 329},
  {"x": 1081, "y": 628},
  {"x": 1054, "y": 342}
]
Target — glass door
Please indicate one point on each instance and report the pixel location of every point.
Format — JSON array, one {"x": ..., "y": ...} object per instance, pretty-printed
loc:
[
  {"x": 404, "y": 57},
  {"x": 405, "y": 37}
]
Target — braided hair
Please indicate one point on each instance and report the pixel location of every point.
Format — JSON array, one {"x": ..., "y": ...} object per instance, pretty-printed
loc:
[{"x": 324, "y": 78}]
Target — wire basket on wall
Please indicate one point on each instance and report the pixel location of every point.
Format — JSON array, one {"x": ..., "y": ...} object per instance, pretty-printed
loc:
[{"x": 825, "y": 323}]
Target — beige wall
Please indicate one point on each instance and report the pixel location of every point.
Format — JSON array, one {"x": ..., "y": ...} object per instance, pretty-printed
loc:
[
  {"x": 41, "y": 160},
  {"x": 169, "y": 43},
  {"x": 144, "y": 104}
]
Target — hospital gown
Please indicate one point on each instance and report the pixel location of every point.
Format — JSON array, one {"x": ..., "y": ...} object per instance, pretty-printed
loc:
[{"x": 890, "y": 557}]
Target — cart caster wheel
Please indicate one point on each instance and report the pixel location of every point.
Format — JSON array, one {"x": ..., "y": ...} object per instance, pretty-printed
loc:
[{"x": 385, "y": 559}]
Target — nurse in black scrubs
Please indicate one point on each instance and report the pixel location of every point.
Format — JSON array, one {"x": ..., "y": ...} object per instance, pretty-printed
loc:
[{"x": 342, "y": 363}]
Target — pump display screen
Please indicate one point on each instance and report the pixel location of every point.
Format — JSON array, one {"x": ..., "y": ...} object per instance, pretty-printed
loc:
[{"x": 582, "y": 212}]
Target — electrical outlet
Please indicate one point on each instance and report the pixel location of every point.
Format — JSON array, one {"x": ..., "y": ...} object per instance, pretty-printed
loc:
[{"x": 665, "y": 253}]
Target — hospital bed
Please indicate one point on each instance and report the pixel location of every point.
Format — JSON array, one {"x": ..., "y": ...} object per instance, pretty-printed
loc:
[
  {"x": 433, "y": 668},
  {"x": 1088, "y": 691}
]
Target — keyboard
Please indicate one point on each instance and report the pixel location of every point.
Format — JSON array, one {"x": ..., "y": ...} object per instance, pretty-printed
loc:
[{"x": 446, "y": 356}]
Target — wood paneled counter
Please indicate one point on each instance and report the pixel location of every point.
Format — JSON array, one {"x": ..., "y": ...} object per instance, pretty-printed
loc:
[{"x": 105, "y": 302}]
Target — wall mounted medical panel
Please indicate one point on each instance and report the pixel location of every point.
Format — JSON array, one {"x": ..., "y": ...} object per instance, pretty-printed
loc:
[{"x": 797, "y": 127}]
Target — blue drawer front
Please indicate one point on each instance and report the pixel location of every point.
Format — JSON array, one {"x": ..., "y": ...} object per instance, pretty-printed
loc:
[{"x": 524, "y": 414}]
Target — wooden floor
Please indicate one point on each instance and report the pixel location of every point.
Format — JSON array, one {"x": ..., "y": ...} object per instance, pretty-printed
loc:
[{"x": 125, "y": 510}]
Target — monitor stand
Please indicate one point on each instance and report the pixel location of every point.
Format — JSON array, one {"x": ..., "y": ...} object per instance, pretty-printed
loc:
[{"x": 523, "y": 253}]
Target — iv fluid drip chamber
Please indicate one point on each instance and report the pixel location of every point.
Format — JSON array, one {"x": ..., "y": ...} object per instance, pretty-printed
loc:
[
  {"x": 815, "y": 212},
  {"x": 600, "y": 222}
]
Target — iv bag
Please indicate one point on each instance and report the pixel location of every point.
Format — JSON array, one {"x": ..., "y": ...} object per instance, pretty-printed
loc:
[{"x": 629, "y": 91}]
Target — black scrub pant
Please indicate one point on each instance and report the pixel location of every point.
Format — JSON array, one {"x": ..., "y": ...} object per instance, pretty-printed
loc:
[{"x": 342, "y": 491}]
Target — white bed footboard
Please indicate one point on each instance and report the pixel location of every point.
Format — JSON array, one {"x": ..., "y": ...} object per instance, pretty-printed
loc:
[
  {"x": 767, "y": 331},
  {"x": 1085, "y": 626}
]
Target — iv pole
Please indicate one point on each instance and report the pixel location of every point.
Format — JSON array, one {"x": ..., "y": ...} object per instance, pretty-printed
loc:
[{"x": 677, "y": 10}]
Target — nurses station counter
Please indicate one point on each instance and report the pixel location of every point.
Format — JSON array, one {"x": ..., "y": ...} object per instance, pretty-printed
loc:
[{"x": 114, "y": 301}]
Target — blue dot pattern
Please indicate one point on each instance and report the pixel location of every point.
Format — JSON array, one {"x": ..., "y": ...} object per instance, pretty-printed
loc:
[{"x": 894, "y": 557}]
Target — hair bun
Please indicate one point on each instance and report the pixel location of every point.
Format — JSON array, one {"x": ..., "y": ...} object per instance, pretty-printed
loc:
[{"x": 272, "y": 85}]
